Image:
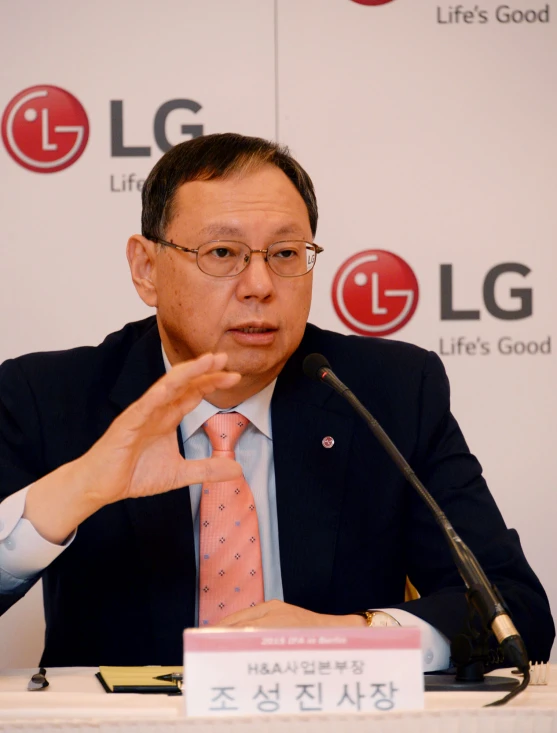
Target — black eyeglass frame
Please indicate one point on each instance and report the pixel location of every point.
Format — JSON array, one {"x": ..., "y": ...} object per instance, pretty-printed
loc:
[{"x": 317, "y": 249}]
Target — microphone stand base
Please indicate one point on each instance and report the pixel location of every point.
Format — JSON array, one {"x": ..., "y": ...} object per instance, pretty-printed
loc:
[{"x": 449, "y": 683}]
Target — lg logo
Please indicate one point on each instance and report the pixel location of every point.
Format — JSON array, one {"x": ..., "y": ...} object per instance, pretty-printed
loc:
[
  {"x": 372, "y": 2},
  {"x": 375, "y": 293},
  {"x": 119, "y": 150},
  {"x": 522, "y": 295},
  {"x": 45, "y": 129}
]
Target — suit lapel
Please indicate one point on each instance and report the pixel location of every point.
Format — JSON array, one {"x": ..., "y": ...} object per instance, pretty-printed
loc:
[
  {"x": 309, "y": 482},
  {"x": 162, "y": 524}
]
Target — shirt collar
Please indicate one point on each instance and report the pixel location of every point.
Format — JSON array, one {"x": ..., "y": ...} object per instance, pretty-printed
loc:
[{"x": 257, "y": 409}]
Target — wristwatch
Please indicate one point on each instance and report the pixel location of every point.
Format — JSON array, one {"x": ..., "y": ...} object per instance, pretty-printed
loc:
[{"x": 378, "y": 618}]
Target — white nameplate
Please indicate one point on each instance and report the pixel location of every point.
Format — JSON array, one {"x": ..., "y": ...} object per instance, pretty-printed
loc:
[{"x": 284, "y": 671}]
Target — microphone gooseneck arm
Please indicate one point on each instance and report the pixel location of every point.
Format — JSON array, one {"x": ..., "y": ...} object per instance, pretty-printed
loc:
[{"x": 483, "y": 594}]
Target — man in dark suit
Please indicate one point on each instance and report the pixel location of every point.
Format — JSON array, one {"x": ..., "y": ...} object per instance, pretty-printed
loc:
[{"x": 88, "y": 441}]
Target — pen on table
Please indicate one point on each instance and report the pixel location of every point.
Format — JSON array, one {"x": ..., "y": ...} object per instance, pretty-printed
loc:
[
  {"x": 173, "y": 677},
  {"x": 38, "y": 681}
]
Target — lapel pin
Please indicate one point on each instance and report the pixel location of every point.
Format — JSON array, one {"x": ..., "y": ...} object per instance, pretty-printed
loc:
[{"x": 328, "y": 442}]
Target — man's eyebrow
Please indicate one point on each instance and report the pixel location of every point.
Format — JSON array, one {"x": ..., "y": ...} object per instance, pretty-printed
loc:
[
  {"x": 291, "y": 230},
  {"x": 219, "y": 231}
]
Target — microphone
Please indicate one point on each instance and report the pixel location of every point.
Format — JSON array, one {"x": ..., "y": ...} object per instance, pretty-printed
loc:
[{"x": 483, "y": 595}]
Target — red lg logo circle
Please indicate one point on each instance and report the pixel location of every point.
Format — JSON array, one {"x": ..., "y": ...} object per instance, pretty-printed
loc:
[
  {"x": 45, "y": 129},
  {"x": 375, "y": 293},
  {"x": 372, "y": 2}
]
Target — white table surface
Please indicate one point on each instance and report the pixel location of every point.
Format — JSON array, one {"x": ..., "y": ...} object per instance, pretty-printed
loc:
[{"x": 75, "y": 701}]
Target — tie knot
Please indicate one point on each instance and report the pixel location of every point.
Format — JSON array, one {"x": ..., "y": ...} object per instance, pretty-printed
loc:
[{"x": 224, "y": 429}]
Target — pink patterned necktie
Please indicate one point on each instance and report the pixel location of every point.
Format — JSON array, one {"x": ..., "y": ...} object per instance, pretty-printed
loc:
[{"x": 230, "y": 571}]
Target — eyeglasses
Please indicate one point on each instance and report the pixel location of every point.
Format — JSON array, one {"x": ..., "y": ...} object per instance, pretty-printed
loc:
[{"x": 222, "y": 258}]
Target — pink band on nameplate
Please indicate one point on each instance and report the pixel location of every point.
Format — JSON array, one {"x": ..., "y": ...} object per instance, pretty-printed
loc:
[{"x": 224, "y": 640}]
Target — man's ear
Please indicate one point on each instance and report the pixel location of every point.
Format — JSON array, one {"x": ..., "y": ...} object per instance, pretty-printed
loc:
[{"x": 141, "y": 253}]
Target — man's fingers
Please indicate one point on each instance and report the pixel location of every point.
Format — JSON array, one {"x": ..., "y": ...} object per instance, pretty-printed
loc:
[
  {"x": 220, "y": 361},
  {"x": 170, "y": 411},
  {"x": 209, "y": 470},
  {"x": 207, "y": 383},
  {"x": 173, "y": 384},
  {"x": 182, "y": 388},
  {"x": 188, "y": 370},
  {"x": 279, "y": 614},
  {"x": 245, "y": 617}
]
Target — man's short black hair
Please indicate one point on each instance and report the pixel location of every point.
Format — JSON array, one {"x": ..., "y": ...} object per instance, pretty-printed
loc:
[{"x": 215, "y": 156}]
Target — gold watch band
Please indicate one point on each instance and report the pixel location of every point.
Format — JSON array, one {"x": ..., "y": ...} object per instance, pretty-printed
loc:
[{"x": 370, "y": 616}]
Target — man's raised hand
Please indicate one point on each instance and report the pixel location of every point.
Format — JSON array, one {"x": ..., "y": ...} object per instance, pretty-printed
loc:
[{"x": 137, "y": 456}]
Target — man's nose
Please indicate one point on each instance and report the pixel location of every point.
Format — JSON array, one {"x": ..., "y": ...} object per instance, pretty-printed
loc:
[{"x": 256, "y": 280}]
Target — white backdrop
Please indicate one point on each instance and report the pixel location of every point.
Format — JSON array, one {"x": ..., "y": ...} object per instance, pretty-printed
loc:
[{"x": 427, "y": 138}]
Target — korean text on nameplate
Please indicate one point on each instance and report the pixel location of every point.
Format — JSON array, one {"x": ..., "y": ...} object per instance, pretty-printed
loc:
[{"x": 285, "y": 671}]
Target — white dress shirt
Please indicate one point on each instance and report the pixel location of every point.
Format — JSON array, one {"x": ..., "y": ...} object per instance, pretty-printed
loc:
[{"x": 24, "y": 553}]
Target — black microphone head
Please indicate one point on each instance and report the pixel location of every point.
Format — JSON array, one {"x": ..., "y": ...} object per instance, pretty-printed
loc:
[{"x": 313, "y": 364}]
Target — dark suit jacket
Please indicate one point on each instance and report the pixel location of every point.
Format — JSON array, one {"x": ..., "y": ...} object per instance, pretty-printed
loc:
[{"x": 350, "y": 528}]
